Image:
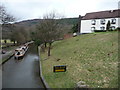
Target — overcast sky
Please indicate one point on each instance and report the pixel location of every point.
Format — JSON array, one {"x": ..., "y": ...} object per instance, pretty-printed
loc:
[{"x": 33, "y": 9}]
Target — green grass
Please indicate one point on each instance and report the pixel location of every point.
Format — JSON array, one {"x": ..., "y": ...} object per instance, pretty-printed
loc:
[
  {"x": 92, "y": 58},
  {"x": 8, "y": 41}
]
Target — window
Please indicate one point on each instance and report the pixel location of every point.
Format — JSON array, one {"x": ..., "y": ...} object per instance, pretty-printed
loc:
[
  {"x": 92, "y": 28},
  {"x": 113, "y": 21},
  {"x": 93, "y": 22},
  {"x": 102, "y": 21},
  {"x": 102, "y": 28},
  {"x": 112, "y": 27}
]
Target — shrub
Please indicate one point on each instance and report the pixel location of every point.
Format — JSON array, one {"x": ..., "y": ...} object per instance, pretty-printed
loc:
[{"x": 99, "y": 30}]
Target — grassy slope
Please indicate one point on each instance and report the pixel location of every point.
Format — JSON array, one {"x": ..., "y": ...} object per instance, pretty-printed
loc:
[{"x": 92, "y": 58}]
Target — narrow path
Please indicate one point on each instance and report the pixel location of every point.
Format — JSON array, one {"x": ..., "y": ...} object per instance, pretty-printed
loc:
[{"x": 22, "y": 73}]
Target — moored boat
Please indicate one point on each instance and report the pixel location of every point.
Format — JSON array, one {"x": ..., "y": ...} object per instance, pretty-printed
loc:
[{"x": 20, "y": 52}]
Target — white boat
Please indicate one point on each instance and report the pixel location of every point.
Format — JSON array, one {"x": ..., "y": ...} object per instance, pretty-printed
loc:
[{"x": 20, "y": 52}]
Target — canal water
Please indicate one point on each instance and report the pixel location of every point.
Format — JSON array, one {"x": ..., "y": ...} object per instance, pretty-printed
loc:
[{"x": 22, "y": 73}]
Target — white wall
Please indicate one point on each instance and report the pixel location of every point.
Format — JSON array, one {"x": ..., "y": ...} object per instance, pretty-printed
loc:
[{"x": 86, "y": 24}]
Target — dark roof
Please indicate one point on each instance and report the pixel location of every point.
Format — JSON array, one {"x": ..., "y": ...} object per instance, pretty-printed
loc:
[{"x": 102, "y": 14}]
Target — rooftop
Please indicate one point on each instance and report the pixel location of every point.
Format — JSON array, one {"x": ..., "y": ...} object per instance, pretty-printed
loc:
[{"x": 102, "y": 14}]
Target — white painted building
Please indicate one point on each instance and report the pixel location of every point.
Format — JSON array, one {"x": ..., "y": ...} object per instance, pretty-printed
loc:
[{"x": 98, "y": 21}]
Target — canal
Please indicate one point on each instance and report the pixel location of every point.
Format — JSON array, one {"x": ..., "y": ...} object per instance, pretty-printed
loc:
[{"x": 22, "y": 73}]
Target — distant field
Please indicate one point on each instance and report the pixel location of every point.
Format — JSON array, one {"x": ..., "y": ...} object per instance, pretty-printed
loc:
[
  {"x": 8, "y": 41},
  {"x": 92, "y": 58}
]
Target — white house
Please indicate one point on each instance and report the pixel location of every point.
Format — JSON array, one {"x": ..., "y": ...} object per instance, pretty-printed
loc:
[{"x": 98, "y": 21}]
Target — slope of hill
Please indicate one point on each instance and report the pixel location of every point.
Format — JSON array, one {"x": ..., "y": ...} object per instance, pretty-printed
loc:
[
  {"x": 91, "y": 58},
  {"x": 32, "y": 24},
  {"x": 67, "y": 21},
  {"x": 28, "y": 23}
]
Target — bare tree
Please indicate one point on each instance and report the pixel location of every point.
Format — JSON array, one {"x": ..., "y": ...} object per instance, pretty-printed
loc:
[
  {"x": 20, "y": 34},
  {"x": 49, "y": 29},
  {"x": 5, "y": 19}
]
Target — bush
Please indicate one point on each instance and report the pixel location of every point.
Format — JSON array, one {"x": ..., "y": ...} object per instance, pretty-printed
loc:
[
  {"x": 75, "y": 28},
  {"x": 117, "y": 29},
  {"x": 37, "y": 42},
  {"x": 99, "y": 30},
  {"x": 110, "y": 30}
]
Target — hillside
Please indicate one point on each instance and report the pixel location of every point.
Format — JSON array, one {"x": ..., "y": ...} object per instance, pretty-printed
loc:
[
  {"x": 92, "y": 58},
  {"x": 67, "y": 21},
  {"x": 28, "y": 24}
]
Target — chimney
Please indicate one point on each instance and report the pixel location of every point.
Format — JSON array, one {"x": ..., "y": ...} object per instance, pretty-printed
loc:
[{"x": 79, "y": 24}]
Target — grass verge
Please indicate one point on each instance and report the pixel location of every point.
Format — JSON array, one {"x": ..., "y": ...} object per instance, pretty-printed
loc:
[{"x": 92, "y": 58}]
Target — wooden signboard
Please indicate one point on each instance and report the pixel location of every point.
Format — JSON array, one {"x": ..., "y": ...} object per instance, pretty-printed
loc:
[{"x": 61, "y": 68}]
